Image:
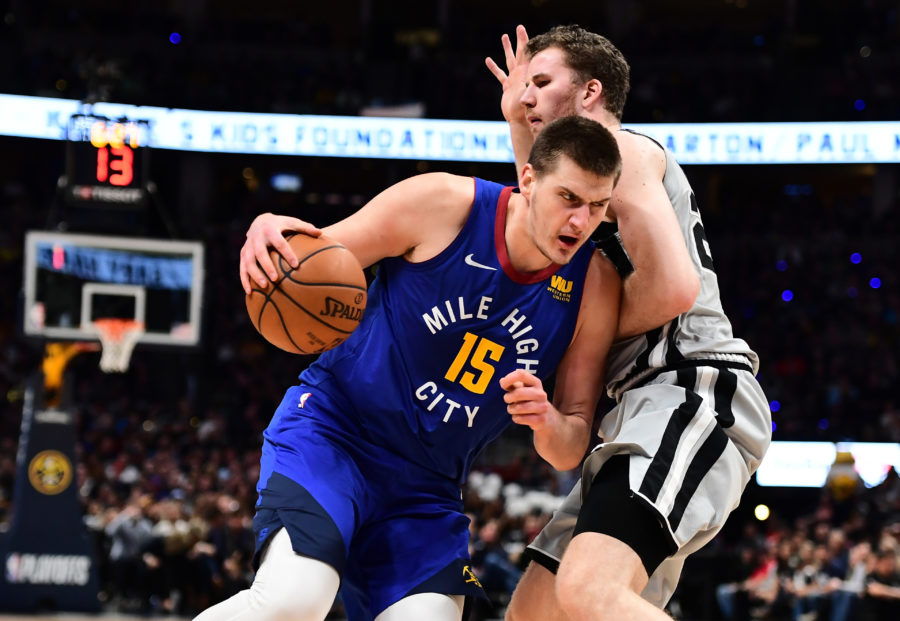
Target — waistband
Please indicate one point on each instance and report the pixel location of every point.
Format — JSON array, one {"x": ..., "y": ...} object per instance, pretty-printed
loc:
[{"x": 735, "y": 361}]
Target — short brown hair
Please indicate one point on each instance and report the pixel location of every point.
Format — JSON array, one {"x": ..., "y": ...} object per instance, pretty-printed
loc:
[
  {"x": 590, "y": 56},
  {"x": 586, "y": 142}
]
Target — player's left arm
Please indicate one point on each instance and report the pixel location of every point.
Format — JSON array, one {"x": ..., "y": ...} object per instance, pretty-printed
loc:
[
  {"x": 665, "y": 282},
  {"x": 562, "y": 429}
]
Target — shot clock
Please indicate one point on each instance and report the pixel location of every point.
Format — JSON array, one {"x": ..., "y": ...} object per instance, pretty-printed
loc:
[{"x": 106, "y": 162}]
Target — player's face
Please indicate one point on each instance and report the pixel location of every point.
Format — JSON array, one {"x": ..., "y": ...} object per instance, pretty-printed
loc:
[
  {"x": 550, "y": 92},
  {"x": 567, "y": 204}
]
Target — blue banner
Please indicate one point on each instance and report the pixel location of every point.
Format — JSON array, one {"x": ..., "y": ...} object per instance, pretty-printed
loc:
[
  {"x": 111, "y": 266},
  {"x": 437, "y": 139}
]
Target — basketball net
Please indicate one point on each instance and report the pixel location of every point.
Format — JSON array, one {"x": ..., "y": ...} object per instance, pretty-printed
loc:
[{"x": 118, "y": 338}]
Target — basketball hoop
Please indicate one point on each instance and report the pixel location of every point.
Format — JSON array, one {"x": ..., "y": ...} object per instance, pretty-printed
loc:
[{"x": 118, "y": 338}]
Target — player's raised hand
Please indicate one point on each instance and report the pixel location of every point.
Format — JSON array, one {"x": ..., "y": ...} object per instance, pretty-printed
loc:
[
  {"x": 514, "y": 78},
  {"x": 526, "y": 400},
  {"x": 267, "y": 231}
]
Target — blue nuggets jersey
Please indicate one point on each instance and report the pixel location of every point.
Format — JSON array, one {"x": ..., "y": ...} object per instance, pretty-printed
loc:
[{"x": 420, "y": 376}]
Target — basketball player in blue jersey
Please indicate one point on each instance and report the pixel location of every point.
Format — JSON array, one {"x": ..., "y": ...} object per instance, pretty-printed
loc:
[
  {"x": 479, "y": 296},
  {"x": 691, "y": 423}
]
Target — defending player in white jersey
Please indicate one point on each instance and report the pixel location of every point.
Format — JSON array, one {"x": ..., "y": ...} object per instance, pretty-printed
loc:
[{"x": 691, "y": 423}]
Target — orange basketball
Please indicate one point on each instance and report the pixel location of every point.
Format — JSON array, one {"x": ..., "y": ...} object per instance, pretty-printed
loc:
[{"x": 315, "y": 306}]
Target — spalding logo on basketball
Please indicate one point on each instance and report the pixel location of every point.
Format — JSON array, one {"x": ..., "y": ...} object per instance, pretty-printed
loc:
[{"x": 314, "y": 307}]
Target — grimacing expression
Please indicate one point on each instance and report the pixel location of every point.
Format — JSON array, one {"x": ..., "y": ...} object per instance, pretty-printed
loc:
[
  {"x": 550, "y": 91},
  {"x": 567, "y": 204}
]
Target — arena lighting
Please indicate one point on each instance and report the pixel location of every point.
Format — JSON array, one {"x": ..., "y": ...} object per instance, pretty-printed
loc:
[
  {"x": 806, "y": 464},
  {"x": 761, "y": 512},
  {"x": 451, "y": 140},
  {"x": 286, "y": 182}
]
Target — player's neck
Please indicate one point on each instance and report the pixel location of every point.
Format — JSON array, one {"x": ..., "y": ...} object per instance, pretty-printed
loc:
[
  {"x": 523, "y": 254},
  {"x": 603, "y": 116}
]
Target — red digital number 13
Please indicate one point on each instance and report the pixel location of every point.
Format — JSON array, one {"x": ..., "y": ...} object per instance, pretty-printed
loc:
[{"x": 122, "y": 163}]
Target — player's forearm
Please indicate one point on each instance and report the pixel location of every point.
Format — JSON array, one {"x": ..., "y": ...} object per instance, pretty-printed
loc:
[
  {"x": 521, "y": 137},
  {"x": 563, "y": 443},
  {"x": 664, "y": 283}
]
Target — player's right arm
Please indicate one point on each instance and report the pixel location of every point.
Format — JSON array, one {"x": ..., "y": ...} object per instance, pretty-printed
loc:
[
  {"x": 513, "y": 82},
  {"x": 415, "y": 218},
  {"x": 267, "y": 230}
]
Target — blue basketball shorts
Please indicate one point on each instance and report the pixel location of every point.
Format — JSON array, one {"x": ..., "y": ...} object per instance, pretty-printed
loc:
[{"x": 389, "y": 527}]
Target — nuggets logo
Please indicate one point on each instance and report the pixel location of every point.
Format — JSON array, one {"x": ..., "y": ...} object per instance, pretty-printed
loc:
[
  {"x": 560, "y": 288},
  {"x": 50, "y": 472},
  {"x": 470, "y": 576}
]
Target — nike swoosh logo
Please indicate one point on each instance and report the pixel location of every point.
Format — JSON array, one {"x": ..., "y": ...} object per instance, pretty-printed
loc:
[{"x": 474, "y": 263}]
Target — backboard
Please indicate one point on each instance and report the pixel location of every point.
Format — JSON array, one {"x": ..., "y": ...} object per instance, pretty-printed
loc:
[{"x": 71, "y": 280}]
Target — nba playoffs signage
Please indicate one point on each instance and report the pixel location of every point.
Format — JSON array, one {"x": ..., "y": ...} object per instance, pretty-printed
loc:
[
  {"x": 435, "y": 139},
  {"x": 47, "y": 557},
  {"x": 54, "y": 569}
]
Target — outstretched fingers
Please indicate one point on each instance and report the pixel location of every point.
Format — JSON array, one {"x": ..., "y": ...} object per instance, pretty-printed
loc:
[
  {"x": 495, "y": 69},
  {"x": 521, "y": 43},
  {"x": 512, "y": 57}
]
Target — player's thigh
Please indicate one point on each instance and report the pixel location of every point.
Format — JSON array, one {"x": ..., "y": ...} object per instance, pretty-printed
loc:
[
  {"x": 284, "y": 575},
  {"x": 287, "y": 587},
  {"x": 431, "y": 606},
  {"x": 535, "y": 597},
  {"x": 594, "y": 561}
]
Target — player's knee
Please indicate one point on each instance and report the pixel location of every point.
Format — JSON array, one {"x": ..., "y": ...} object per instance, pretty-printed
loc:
[
  {"x": 582, "y": 596},
  {"x": 581, "y": 605},
  {"x": 570, "y": 589}
]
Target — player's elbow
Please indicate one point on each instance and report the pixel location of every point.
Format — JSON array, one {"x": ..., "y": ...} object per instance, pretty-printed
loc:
[
  {"x": 683, "y": 293},
  {"x": 690, "y": 293}
]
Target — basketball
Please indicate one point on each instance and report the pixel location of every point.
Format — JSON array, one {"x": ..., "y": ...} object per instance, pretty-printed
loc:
[{"x": 315, "y": 306}]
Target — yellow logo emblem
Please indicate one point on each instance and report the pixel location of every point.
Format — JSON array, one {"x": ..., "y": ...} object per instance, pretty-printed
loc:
[
  {"x": 560, "y": 288},
  {"x": 470, "y": 577},
  {"x": 50, "y": 472}
]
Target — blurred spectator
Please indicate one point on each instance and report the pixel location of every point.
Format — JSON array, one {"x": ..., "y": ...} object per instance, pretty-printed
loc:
[
  {"x": 129, "y": 533},
  {"x": 493, "y": 566},
  {"x": 882, "y": 595}
]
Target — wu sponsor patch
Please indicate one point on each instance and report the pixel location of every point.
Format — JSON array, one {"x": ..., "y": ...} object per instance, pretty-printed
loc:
[{"x": 560, "y": 288}]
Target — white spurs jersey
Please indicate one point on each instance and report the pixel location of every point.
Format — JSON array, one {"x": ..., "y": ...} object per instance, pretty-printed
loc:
[{"x": 701, "y": 334}]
